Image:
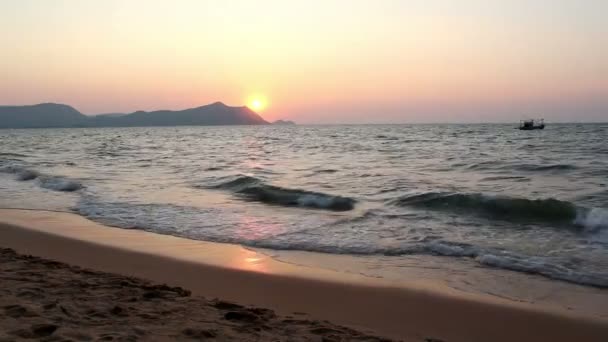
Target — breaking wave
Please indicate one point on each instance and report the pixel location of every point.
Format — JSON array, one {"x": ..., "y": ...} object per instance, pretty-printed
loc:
[
  {"x": 593, "y": 219},
  {"x": 56, "y": 183},
  {"x": 59, "y": 183},
  {"x": 152, "y": 217},
  {"x": 254, "y": 189},
  {"x": 508, "y": 208}
]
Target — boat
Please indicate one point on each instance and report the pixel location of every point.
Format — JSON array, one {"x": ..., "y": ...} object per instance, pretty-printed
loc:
[{"x": 530, "y": 124}]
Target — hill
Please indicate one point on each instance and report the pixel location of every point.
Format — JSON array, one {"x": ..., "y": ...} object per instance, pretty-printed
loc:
[
  {"x": 59, "y": 115},
  {"x": 284, "y": 122},
  {"x": 41, "y": 115}
]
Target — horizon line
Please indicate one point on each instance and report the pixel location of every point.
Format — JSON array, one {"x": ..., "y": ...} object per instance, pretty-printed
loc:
[{"x": 314, "y": 123}]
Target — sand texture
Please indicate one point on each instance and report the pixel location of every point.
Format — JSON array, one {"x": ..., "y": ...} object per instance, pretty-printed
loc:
[{"x": 52, "y": 301}]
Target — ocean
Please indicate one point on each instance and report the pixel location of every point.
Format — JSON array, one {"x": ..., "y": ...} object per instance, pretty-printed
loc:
[{"x": 526, "y": 201}]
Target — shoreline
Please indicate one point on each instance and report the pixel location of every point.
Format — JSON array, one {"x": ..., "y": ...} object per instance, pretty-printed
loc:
[{"x": 411, "y": 311}]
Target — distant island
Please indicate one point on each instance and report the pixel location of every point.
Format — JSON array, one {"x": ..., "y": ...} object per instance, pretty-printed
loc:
[
  {"x": 283, "y": 122},
  {"x": 53, "y": 115}
]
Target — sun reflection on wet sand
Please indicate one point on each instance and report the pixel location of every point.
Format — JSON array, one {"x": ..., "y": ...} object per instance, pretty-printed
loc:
[
  {"x": 249, "y": 260},
  {"x": 251, "y": 228}
]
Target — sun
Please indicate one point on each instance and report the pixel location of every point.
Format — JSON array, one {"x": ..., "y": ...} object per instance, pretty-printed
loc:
[{"x": 257, "y": 103}]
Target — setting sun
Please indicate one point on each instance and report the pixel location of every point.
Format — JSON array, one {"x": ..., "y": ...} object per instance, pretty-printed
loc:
[
  {"x": 411, "y": 159},
  {"x": 257, "y": 103}
]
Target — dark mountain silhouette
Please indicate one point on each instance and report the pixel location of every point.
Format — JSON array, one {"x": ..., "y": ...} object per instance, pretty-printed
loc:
[
  {"x": 41, "y": 115},
  {"x": 284, "y": 122},
  {"x": 58, "y": 115},
  {"x": 110, "y": 115}
]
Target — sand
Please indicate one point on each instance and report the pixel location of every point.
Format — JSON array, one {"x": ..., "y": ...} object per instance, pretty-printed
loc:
[
  {"x": 412, "y": 311},
  {"x": 48, "y": 300}
]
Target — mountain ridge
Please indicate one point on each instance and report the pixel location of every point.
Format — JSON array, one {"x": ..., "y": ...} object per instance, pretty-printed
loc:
[{"x": 56, "y": 115}]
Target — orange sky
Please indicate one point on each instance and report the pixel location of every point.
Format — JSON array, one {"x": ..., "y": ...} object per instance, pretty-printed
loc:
[{"x": 314, "y": 61}]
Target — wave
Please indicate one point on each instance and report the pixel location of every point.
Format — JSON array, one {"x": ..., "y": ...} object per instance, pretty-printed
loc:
[
  {"x": 56, "y": 183},
  {"x": 538, "y": 266},
  {"x": 186, "y": 222},
  {"x": 326, "y": 171},
  {"x": 514, "y": 209},
  {"x": 547, "y": 209},
  {"x": 481, "y": 166},
  {"x": 544, "y": 266},
  {"x": 547, "y": 267},
  {"x": 25, "y": 175},
  {"x": 493, "y": 165},
  {"x": 550, "y": 167},
  {"x": 255, "y": 189},
  {"x": 386, "y": 137},
  {"x": 21, "y": 173},
  {"x": 593, "y": 219},
  {"x": 59, "y": 183},
  {"x": 10, "y": 154},
  {"x": 499, "y": 178}
]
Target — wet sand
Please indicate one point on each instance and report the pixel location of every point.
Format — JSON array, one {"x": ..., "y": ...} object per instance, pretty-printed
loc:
[{"x": 416, "y": 311}]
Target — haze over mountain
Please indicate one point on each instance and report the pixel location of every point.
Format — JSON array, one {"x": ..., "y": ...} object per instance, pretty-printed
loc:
[{"x": 47, "y": 115}]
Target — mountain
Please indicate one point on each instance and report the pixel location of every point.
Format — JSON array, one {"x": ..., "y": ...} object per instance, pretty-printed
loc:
[
  {"x": 283, "y": 122},
  {"x": 41, "y": 115},
  {"x": 214, "y": 114},
  {"x": 58, "y": 115},
  {"x": 110, "y": 115}
]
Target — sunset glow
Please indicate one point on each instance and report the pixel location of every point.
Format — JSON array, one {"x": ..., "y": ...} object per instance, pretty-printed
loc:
[
  {"x": 251, "y": 170},
  {"x": 378, "y": 61},
  {"x": 257, "y": 103}
]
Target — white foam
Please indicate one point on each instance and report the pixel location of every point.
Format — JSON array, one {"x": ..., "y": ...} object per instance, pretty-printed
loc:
[
  {"x": 447, "y": 250},
  {"x": 593, "y": 220},
  {"x": 45, "y": 181},
  {"x": 538, "y": 266}
]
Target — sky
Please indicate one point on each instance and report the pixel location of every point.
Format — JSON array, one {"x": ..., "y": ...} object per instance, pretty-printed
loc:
[{"x": 314, "y": 61}]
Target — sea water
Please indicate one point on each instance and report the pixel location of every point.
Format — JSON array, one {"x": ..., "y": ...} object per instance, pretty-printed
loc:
[{"x": 501, "y": 198}]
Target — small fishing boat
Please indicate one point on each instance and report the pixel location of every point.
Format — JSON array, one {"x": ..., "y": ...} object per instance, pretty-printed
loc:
[{"x": 528, "y": 125}]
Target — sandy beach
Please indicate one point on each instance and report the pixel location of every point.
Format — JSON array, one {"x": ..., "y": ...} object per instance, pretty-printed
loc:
[
  {"x": 93, "y": 286},
  {"x": 416, "y": 171},
  {"x": 43, "y": 299}
]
